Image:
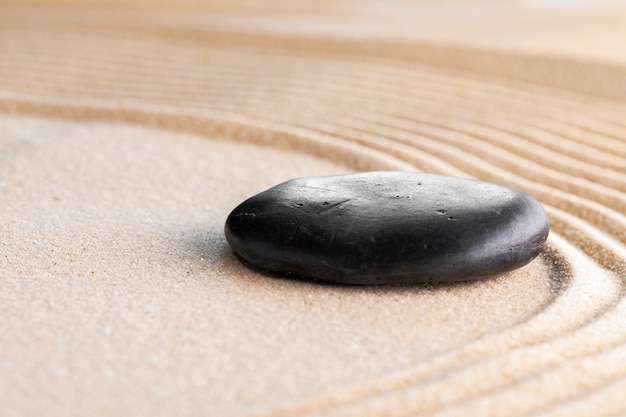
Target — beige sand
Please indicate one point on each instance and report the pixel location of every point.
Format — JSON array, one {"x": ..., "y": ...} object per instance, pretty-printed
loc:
[{"x": 128, "y": 134}]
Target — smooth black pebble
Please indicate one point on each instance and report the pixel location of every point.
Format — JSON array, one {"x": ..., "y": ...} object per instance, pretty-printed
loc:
[{"x": 388, "y": 227}]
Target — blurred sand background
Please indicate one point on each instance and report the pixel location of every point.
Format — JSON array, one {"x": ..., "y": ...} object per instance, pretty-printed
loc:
[{"x": 130, "y": 129}]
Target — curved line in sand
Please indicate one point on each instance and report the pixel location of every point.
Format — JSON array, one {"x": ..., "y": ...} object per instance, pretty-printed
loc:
[{"x": 490, "y": 355}]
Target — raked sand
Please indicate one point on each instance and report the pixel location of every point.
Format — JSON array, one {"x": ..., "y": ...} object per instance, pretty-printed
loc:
[{"x": 128, "y": 133}]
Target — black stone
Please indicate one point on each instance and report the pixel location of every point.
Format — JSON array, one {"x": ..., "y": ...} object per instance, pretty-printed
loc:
[{"x": 388, "y": 227}]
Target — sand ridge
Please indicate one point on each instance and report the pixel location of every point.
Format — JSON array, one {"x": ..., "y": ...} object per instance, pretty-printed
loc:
[{"x": 122, "y": 152}]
